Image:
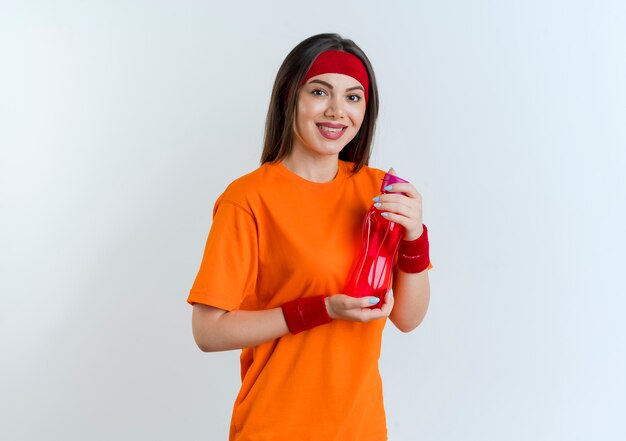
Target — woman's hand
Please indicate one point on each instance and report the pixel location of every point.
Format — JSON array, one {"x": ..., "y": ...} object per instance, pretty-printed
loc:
[
  {"x": 344, "y": 307},
  {"x": 404, "y": 209}
]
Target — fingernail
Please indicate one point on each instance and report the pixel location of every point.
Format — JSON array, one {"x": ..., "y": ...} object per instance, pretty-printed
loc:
[
  {"x": 377, "y": 204},
  {"x": 384, "y": 214},
  {"x": 374, "y": 300},
  {"x": 388, "y": 188},
  {"x": 376, "y": 199}
]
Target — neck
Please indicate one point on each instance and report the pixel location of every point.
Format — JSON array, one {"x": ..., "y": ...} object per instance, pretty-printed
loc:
[{"x": 318, "y": 169}]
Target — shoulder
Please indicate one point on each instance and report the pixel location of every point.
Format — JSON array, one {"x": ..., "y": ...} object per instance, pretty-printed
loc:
[
  {"x": 241, "y": 186},
  {"x": 372, "y": 172},
  {"x": 366, "y": 177},
  {"x": 244, "y": 191}
]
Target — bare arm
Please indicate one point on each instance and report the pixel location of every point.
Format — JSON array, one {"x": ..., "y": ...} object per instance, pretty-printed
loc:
[
  {"x": 412, "y": 296},
  {"x": 215, "y": 329}
]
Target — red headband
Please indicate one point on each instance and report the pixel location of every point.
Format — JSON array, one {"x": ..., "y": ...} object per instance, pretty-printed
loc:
[{"x": 342, "y": 63}]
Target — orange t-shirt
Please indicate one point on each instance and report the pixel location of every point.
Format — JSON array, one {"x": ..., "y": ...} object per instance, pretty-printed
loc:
[{"x": 277, "y": 237}]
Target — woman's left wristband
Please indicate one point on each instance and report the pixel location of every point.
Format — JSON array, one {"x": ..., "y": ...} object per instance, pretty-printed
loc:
[{"x": 414, "y": 255}]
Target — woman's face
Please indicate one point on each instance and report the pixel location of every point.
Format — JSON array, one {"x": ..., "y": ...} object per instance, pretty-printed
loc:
[{"x": 330, "y": 112}]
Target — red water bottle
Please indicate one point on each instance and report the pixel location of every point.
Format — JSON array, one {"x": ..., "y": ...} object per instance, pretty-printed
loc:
[{"x": 371, "y": 273}]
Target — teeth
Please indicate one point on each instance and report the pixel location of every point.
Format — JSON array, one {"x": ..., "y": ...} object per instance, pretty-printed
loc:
[{"x": 330, "y": 129}]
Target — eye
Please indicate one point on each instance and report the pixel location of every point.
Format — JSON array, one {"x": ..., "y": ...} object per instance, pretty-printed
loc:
[
  {"x": 318, "y": 92},
  {"x": 354, "y": 98}
]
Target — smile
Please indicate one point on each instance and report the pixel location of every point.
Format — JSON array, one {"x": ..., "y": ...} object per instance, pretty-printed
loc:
[{"x": 331, "y": 131}]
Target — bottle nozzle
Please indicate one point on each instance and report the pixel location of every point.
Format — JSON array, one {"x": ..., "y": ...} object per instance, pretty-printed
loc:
[{"x": 389, "y": 180}]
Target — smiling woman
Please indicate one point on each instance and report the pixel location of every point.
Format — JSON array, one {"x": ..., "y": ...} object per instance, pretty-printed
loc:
[
  {"x": 307, "y": 65},
  {"x": 279, "y": 254},
  {"x": 331, "y": 108}
]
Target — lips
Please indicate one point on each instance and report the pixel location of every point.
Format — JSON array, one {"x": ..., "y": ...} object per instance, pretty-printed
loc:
[{"x": 330, "y": 130}]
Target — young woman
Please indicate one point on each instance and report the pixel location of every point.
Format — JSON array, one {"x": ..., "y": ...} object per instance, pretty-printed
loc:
[{"x": 280, "y": 249}]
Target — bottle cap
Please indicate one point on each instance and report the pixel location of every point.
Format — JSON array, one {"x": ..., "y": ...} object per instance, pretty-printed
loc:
[{"x": 389, "y": 180}]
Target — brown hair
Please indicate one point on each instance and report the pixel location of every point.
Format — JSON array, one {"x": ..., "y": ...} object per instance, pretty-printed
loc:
[{"x": 281, "y": 115}]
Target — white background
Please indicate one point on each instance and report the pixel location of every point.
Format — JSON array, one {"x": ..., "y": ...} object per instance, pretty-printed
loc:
[{"x": 122, "y": 121}]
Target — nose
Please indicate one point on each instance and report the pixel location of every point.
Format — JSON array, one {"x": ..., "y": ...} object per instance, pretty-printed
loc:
[{"x": 335, "y": 108}]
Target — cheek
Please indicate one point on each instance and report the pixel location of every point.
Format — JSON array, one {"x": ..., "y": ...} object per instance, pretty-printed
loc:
[
  {"x": 302, "y": 114},
  {"x": 357, "y": 116}
]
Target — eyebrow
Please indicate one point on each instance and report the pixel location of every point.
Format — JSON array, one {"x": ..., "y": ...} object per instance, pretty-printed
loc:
[{"x": 331, "y": 87}]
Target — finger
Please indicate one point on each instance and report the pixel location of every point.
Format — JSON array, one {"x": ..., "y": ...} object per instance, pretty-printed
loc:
[
  {"x": 392, "y": 171},
  {"x": 367, "y": 315},
  {"x": 404, "y": 187},
  {"x": 360, "y": 302},
  {"x": 388, "y": 305},
  {"x": 385, "y": 299},
  {"x": 395, "y": 202},
  {"x": 394, "y": 197},
  {"x": 401, "y": 209},
  {"x": 370, "y": 301},
  {"x": 406, "y": 222}
]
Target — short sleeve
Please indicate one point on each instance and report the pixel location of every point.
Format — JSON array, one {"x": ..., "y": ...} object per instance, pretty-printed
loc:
[{"x": 228, "y": 271}]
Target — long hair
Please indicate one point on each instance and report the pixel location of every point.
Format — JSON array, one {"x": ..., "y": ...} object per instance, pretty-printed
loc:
[{"x": 279, "y": 135}]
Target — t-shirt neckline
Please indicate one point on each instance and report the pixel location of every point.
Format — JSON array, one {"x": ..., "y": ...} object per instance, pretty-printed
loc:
[{"x": 295, "y": 179}]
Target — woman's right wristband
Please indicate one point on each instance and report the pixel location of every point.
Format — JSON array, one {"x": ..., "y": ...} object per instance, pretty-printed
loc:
[{"x": 306, "y": 313}]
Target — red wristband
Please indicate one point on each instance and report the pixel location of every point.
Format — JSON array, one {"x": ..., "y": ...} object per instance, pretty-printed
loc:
[
  {"x": 413, "y": 256},
  {"x": 305, "y": 313}
]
